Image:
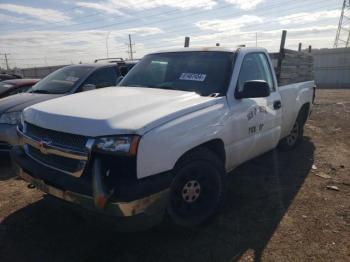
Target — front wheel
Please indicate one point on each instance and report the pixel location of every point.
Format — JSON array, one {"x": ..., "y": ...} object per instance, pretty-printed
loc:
[{"x": 197, "y": 189}]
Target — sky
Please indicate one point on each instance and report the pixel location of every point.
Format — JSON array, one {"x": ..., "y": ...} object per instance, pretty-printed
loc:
[{"x": 54, "y": 32}]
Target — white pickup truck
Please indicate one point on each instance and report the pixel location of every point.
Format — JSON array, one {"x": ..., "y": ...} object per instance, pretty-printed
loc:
[{"x": 164, "y": 140}]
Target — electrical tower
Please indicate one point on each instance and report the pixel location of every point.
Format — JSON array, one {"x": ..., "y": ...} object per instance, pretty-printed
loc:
[
  {"x": 6, "y": 60},
  {"x": 130, "y": 49},
  {"x": 342, "y": 38}
]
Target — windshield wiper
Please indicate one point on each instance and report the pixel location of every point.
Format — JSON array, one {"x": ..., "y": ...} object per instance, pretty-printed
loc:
[
  {"x": 163, "y": 87},
  {"x": 40, "y": 92}
]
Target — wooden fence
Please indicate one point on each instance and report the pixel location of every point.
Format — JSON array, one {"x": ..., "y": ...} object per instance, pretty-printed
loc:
[{"x": 294, "y": 66}]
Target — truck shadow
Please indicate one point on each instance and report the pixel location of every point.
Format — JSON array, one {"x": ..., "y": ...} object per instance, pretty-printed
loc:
[
  {"x": 6, "y": 171},
  {"x": 259, "y": 194}
]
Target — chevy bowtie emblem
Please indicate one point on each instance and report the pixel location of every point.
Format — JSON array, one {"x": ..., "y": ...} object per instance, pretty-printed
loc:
[{"x": 43, "y": 146}]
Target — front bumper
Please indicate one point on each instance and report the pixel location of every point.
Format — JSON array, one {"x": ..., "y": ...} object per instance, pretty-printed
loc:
[
  {"x": 8, "y": 137},
  {"x": 151, "y": 205},
  {"x": 53, "y": 182}
]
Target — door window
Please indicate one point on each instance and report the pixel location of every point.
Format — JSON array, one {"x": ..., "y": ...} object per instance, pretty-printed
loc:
[
  {"x": 255, "y": 66},
  {"x": 266, "y": 71},
  {"x": 102, "y": 78}
]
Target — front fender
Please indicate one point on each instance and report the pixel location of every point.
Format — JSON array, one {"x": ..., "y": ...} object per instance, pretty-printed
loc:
[{"x": 160, "y": 149}]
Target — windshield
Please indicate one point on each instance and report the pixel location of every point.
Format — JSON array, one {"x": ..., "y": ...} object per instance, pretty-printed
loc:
[
  {"x": 61, "y": 81},
  {"x": 206, "y": 73}
]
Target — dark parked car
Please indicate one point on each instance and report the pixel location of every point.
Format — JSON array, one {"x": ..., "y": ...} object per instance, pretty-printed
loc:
[
  {"x": 65, "y": 81},
  {"x": 16, "y": 86},
  {"x": 4, "y": 77}
]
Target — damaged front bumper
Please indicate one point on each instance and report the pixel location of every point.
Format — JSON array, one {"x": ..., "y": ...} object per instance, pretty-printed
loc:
[{"x": 149, "y": 204}]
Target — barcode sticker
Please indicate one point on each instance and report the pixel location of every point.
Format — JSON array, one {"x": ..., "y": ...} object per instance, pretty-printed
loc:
[{"x": 193, "y": 77}]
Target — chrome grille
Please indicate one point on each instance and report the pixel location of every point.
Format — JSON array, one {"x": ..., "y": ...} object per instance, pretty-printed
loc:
[
  {"x": 68, "y": 165},
  {"x": 60, "y": 139},
  {"x": 64, "y": 152}
]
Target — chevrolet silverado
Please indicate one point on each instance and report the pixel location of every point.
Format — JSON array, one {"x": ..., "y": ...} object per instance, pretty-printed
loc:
[{"x": 164, "y": 141}]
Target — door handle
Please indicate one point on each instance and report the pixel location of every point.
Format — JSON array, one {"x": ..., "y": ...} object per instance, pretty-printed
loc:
[{"x": 277, "y": 105}]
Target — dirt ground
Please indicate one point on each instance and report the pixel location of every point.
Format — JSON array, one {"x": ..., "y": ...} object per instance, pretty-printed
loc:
[{"x": 278, "y": 208}]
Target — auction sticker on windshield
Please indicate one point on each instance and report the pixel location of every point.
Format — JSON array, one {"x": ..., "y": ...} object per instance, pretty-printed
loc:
[{"x": 193, "y": 77}]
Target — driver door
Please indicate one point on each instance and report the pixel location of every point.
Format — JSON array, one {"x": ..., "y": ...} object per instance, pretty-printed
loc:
[
  {"x": 268, "y": 137},
  {"x": 255, "y": 121},
  {"x": 246, "y": 116}
]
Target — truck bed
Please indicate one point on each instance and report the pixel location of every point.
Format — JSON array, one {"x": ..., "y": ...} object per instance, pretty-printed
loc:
[{"x": 293, "y": 96}]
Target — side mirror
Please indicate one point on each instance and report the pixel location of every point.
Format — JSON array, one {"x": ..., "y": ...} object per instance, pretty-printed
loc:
[
  {"x": 254, "y": 89},
  {"x": 88, "y": 87}
]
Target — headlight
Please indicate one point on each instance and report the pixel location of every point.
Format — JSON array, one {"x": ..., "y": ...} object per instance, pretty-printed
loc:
[
  {"x": 125, "y": 145},
  {"x": 11, "y": 118}
]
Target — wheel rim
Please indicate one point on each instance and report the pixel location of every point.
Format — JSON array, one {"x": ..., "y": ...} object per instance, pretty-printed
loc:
[
  {"x": 191, "y": 191},
  {"x": 294, "y": 134},
  {"x": 195, "y": 193}
]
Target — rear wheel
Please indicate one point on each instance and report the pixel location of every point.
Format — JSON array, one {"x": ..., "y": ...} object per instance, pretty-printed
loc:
[
  {"x": 197, "y": 189},
  {"x": 295, "y": 136}
]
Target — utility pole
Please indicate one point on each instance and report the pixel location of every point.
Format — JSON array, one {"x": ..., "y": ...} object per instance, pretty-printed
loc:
[
  {"x": 300, "y": 46},
  {"x": 6, "y": 60},
  {"x": 187, "y": 41},
  {"x": 281, "y": 54},
  {"x": 343, "y": 32},
  {"x": 130, "y": 51},
  {"x": 107, "y": 48}
]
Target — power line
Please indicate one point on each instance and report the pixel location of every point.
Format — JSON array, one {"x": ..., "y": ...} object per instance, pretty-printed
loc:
[
  {"x": 182, "y": 31},
  {"x": 183, "y": 16},
  {"x": 166, "y": 45},
  {"x": 187, "y": 32},
  {"x": 191, "y": 30},
  {"x": 64, "y": 24}
]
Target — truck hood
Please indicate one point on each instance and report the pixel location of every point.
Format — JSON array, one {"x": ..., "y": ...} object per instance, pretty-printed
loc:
[
  {"x": 115, "y": 110},
  {"x": 20, "y": 101}
]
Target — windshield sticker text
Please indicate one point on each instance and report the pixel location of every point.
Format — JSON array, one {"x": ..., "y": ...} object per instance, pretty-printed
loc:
[{"x": 193, "y": 77}]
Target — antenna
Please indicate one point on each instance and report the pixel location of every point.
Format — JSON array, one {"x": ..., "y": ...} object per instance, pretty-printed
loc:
[{"x": 342, "y": 37}]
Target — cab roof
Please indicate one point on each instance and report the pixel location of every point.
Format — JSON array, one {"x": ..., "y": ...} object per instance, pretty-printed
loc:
[{"x": 211, "y": 49}]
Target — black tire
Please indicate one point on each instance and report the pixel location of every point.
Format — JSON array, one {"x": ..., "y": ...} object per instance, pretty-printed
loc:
[
  {"x": 197, "y": 190},
  {"x": 295, "y": 136}
]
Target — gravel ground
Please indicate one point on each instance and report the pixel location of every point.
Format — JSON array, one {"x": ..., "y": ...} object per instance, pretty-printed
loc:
[{"x": 278, "y": 208}]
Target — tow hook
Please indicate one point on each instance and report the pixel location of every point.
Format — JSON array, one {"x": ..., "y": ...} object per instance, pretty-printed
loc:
[{"x": 101, "y": 193}]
